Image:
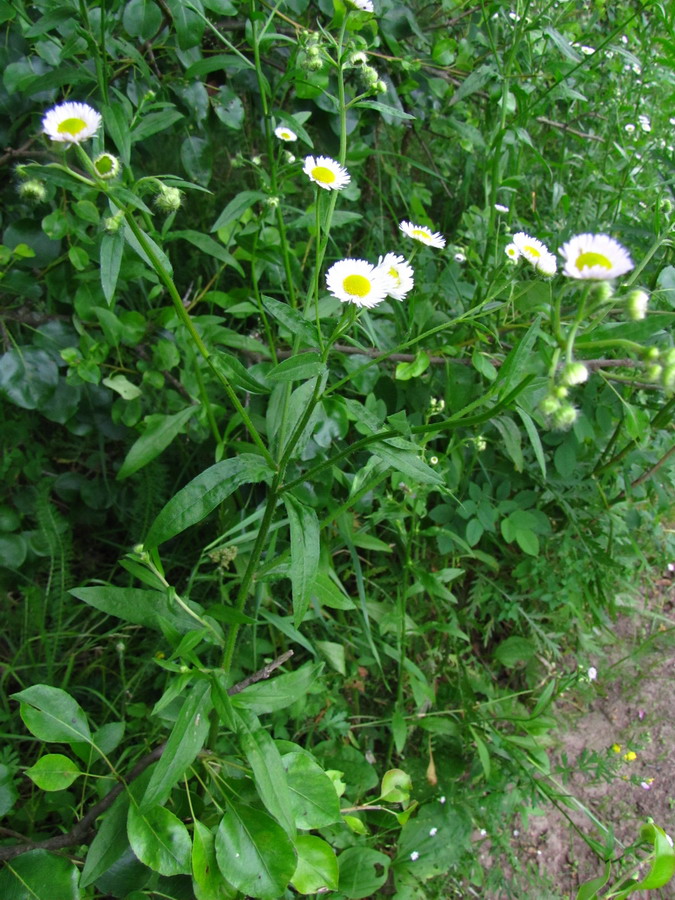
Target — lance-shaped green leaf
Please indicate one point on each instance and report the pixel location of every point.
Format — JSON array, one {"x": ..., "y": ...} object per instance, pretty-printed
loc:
[
  {"x": 395, "y": 453},
  {"x": 298, "y": 368},
  {"x": 155, "y": 249},
  {"x": 149, "y": 608},
  {"x": 203, "y": 494},
  {"x": 159, "y": 433},
  {"x": 268, "y": 770},
  {"x": 52, "y": 715},
  {"x": 208, "y": 881},
  {"x": 663, "y": 866},
  {"x": 254, "y": 853},
  {"x": 236, "y": 208},
  {"x": 305, "y": 549},
  {"x": 110, "y": 843},
  {"x": 160, "y": 840},
  {"x": 112, "y": 248},
  {"x": 278, "y": 692},
  {"x": 185, "y": 741}
]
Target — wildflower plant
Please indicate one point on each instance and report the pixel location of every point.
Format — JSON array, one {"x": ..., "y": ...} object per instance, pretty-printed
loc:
[{"x": 301, "y": 440}]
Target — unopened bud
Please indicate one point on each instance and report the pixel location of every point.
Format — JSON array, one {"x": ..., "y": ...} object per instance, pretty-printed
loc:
[
  {"x": 668, "y": 358},
  {"x": 654, "y": 372},
  {"x": 112, "y": 224},
  {"x": 168, "y": 199},
  {"x": 652, "y": 353},
  {"x": 560, "y": 391},
  {"x": 272, "y": 202},
  {"x": 107, "y": 166},
  {"x": 313, "y": 51},
  {"x": 565, "y": 417},
  {"x": 33, "y": 190},
  {"x": 313, "y": 64},
  {"x": 666, "y": 205},
  {"x": 380, "y": 87},
  {"x": 637, "y": 302},
  {"x": 358, "y": 59},
  {"x": 369, "y": 76},
  {"x": 668, "y": 377},
  {"x": 288, "y": 157},
  {"x": 603, "y": 291},
  {"x": 574, "y": 373},
  {"x": 256, "y": 160},
  {"x": 549, "y": 405}
]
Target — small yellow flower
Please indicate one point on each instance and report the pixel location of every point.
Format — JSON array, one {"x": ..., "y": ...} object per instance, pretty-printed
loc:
[
  {"x": 630, "y": 756},
  {"x": 616, "y": 748}
]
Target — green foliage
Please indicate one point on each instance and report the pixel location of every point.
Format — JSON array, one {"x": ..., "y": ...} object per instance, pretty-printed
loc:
[{"x": 331, "y": 558}]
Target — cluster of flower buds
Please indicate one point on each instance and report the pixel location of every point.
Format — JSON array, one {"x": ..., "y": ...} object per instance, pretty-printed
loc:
[
  {"x": 560, "y": 413},
  {"x": 167, "y": 199},
  {"x": 310, "y": 57},
  {"x": 369, "y": 76}
]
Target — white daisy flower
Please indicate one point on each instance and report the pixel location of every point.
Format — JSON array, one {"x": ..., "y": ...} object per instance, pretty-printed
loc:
[
  {"x": 423, "y": 234},
  {"x": 327, "y": 173},
  {"x": 592, "y": 673},
  {"x": 595, "y": 256},
  {"x": 512, "y": 252},
  {"x": 501, "y": 208},
  {"x": 535, "y": 252},
  {"x": 363, "y": 5},
  {"x": 71, "y": 123},
  {"x": 401, "y": 273},
  {"x": 285, "y": 134},
  {"x": 629, "y": 128},
  {"x": 357, "y": 281}
]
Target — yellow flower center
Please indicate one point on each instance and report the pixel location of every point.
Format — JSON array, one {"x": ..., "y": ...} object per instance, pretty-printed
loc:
[
  {"x": 531, "y": 250},
  {"x": 357, "y": 285},
  {"x": 394, "y": 274},
  {"x": 286, "y": 135},
  {"x": 591, "y": 259},
  {"x": 71, "y": 126},
  {"x": 321, "y": 173},
  {"x": 420, "y": 234}
]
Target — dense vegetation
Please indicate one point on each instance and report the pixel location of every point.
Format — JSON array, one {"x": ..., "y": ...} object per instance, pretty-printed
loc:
[{"x": 296, "y": 555}]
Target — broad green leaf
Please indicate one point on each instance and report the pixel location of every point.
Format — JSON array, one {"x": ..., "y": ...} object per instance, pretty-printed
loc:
[
  {"x": 142, "y": 19},
  {"x": 112, "y": 249},
  {"x": 305, "y": 549},
  {"x": 208, "y": 881},
  {"x": 334, "y": 653},
  {"x": 527, "y": 541},
  {"x": 362, "y": 872},
  {"x": 514, "y": 650},
  {"x": 189, "y": 24},
  {"x": 236, "y": 208},
  {"x": 203, "y": 494},
  {"x": 197, "y": 157},
  {"x": 110, "y": 842},
  {"x": 39, "y": 875},
  {"x": 159, "y": 432},
  {"x": 280, "y": 691},
  {"x": 476, "y": 81},
  {"x": 52, "y": 715},
  {"x": 663, "y": 867},
  {"x": 440, "y": 834},
  {"x": 160, "y": 840},
  {"x": 154, "y": 122},
  {"x": 185, "y": 741},
  {"x": 121, "y": 385},
  {"x": 8, "y": 792},
  {"x": 254, "y": 853},
  {"x": 407, "y": 370},
  {"x": 396, "y": 786},
  {"x": 298, "y": 368},
  {"x": 53, "y": 772},
  {"x": 317, "y": 869},
  {"x": 149, "y": 608},
  {"x": 314, "y": 801},
  {"x": 268, "y": 770},
  {"x": 28, "y": 376},
  {"x": 329, "y": 594}
]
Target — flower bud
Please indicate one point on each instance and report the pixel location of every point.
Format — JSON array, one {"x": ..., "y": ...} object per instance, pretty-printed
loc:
[
  {"x": 168, "y": 199},
  {"x": 636, "y": 302},
  {"x": 652, "y": 354},
  {"x": 603, "y": 291},
  {"x": 313, "y": 52},
  {"x": 272, "y": 202},
  {"x": 668, "y": 377},
  {"x": 288, "y": 157},
  {"x": 107, "y": 166},
  {"x": 313, "y": 64},
  {"x": 380, "y": 87},
  {"x": 574, "y": 373},
  {"x": 549, "y": 405},
  {"x": 33, "y": 190},
  {"x": 358, "y": 59},
  {"x": 653, "y": 373},
  {"x": 369, "y": 76},
  {"x": 666, "y": 205},
  {"x": 560, "y": 391},
  {"x": 112, "y": 224},
  {"x": 565, "y": 417},
  {"x": 668, "y": 358}
]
